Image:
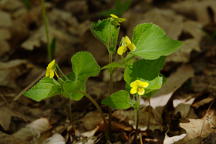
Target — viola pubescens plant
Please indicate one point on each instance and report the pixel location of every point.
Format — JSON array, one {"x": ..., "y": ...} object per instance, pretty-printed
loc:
[{"x": 142, "y": 58}]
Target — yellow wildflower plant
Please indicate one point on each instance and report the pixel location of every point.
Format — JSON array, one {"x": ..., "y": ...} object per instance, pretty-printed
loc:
[
  {"x": 117, "y": 19},
  {"x": 50, "y": 70},
  {"x": 125, "y": 44},
  {"x": 138, "y": 87}
]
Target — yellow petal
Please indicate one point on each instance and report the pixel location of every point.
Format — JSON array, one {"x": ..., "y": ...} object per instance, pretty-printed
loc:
[
  {"x": 127, "y": 40},
  {"x": 131, "y": 47},
  {"x": 51, "y": 74},
  {"x": 47, "y": 73},
  {"x": 121, "y": 20},
  {"x": 133, "y": 90},
  {"x": 143, "y": 84},
  {"x": 114, "y": 16},
  {"x": 51, "y": 65},
  {"x": 134, "y": 84},
  {"x": 121, "y": 50},
  {"x": 140, "y": 91}
]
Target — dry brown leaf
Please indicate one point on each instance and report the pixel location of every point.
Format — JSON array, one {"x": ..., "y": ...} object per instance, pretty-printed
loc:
[
  {"x": 90, "y": 133},
  {"x": 33, "y": 130},
  {"x": 171, "y": 22},
  {"x": 4, "y": 34},
  {"x": 199, "y": 128},
  {"x": 5, "y": 117},
  {"x": 4, "y": 47},
  {"x": 91, "y": 120},
  {"x": 172, "y": 140},
  {"x": 172, "y": 83},
  {"x": 9, "y": 71},
  {"x": 146, "y": 116},
  {"x": 55, "y": 139},
  {"x": 7, "y": 139},
  {"x": 183, "y": 104},
  {"x": 5, "y": 19},
  {"x": 79, "y": 6},
  {"x": 200, "y": 10},
  {"x": 6, "y": 114},
  {"x": 11, "y": 5}
]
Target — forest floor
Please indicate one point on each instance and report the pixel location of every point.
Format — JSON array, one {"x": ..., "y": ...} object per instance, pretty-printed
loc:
[{"x": 182, "y": 112}]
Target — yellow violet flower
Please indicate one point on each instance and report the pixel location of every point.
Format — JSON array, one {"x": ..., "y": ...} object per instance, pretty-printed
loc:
[
  {"x": 117, "y": 19},
  {"x": 138, "y": 87},
  {"x": 50, "y": 70},
  {"x": 125, "y": 44}
]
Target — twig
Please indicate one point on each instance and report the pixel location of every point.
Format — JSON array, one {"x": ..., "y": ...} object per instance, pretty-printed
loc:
[
  {"x": 29, "y": 86},
  {"x": 205, "y": 120}
]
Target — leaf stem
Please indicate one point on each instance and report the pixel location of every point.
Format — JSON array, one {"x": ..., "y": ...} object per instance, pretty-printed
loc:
[
  {"x": 110, "y": 91},
  {"x": 138, "y": 97},
  {"x": 61, "y": 72},
  {"x": 46, "y": 23}
]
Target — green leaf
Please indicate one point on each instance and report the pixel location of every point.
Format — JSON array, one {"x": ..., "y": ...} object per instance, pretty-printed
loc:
[
  {"x": 45, "y": 88},
  {"x": 84, "y": 65},
  {"x": 107, "y": 32},
  {"x": 154, "y": 84},
  {"x": 143, "y": 69},
  {"x": 113, "y": 65},
  {"x": 118, "y": 100},
  {"x": 74, "y": 89},
  {"x": 152, "y": 42}
]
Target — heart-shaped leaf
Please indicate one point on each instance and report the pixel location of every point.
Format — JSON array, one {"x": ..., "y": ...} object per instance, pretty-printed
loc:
[
  {"x": 45, "y": 88},
  {"x": 118, "y": 100},
  {"x": 151, "y": 42}
]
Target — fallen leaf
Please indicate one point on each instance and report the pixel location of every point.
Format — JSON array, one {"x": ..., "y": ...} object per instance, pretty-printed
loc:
[
  {"x": 5, "y": 47},
  {"x": 5, "y": 19},
  {"x": 90, "y": 133},
  {"x": 55, "y": 139},
  {"x": 172, "y": 83},
  {"x": 10, "y": 71},
  {"x": 8, "y": 139},
  {"x": 197, "y": 9},
  {"x": 91, "y": 120},
  {"x": 4, "y": 34},
  {"x": 33, "y": 130},
  {"x": 182, "y": 104},
  {"x": 173, "y": 139},
  {"x": 199, "y": 128}
]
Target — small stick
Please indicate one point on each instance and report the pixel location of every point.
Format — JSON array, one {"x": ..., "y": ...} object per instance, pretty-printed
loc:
[{"x": 29, "y": 86}]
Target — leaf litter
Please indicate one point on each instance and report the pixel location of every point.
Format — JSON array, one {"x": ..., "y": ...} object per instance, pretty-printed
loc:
[{"x": 183, "y": 20}]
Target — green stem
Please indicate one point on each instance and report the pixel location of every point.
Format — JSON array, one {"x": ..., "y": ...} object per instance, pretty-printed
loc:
[
  {"x": 46, "y": 23},
  {"x": 137, "y": 107},
  {"x": 137, "y": 112},
  {"x": 110, "y": 91},
  {"x": 61, "y": 72}
]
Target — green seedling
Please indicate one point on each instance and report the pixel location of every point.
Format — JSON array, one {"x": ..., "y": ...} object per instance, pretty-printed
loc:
[{"x": 142, "y": 58}]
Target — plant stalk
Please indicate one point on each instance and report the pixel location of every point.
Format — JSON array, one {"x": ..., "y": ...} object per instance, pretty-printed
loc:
[
  {"x": 110, "y": 91},
  {"x": 46, "y": 23}
]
